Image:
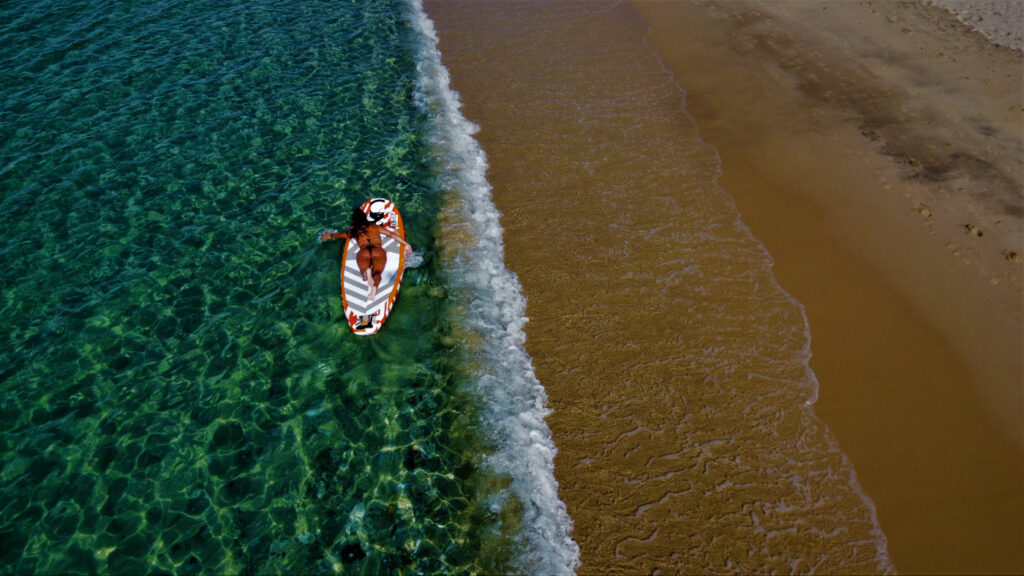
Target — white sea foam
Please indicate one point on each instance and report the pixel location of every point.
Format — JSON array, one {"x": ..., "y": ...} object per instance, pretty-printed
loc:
[{"x": 515, "y": 402}]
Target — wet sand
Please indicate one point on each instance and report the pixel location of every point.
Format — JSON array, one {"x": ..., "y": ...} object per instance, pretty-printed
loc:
[
  {"x": 866, "y": 145},
  {"x": 867, "y": 164}
]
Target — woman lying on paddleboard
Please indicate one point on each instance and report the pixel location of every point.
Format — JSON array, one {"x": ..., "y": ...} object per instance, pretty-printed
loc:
[{"x": 371, "y": 257}]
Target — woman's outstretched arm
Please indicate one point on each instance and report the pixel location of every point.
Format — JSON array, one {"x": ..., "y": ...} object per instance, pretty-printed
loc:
[
  {"x": 408, "y": 247},
  {"x": 332, "y": 235}
]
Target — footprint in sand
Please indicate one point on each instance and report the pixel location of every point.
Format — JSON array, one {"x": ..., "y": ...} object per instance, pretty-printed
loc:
[
  {"x": 972, "y": 230},
  {"x": 1012, "y": 256}
]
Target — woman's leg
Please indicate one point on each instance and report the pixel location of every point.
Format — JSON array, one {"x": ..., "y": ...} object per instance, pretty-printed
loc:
[
  {"x": 364, "y": 259},
  {"x": 371, "y": 261},
  {"x": 378, "y": 258}
]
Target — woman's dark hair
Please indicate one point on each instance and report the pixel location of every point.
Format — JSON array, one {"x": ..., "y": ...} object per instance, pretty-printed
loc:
[{"x": 359, "y": 223}]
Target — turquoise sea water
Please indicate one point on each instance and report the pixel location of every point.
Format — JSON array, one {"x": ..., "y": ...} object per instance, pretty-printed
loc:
[{"x": 180, "y": 393}]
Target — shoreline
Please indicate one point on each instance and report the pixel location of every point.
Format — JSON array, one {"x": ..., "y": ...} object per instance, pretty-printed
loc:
[
  {"x": 514, "y": 413},
  {"x": 675, "y": 365},
  {"x": 840, "y": 166},
  {"x": 678, "y": 426}
]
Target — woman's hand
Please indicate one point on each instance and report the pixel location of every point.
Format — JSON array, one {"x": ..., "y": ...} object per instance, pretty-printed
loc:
[{"x": 328, "y": 234}]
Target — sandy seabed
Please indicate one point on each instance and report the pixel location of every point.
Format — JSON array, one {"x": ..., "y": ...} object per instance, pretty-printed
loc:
[{"x": 876, "y": 150}]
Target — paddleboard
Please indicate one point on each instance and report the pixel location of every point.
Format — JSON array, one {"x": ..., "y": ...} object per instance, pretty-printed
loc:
[{"x": 365, "y": 317}]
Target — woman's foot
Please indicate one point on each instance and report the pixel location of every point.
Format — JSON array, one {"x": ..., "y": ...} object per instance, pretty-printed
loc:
[{"x": 368, "y": 278}]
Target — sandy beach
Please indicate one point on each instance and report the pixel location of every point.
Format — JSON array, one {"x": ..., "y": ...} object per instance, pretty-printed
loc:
[
  {"x": 879, "y": 159},
  {"x": 875, "y": 151}
]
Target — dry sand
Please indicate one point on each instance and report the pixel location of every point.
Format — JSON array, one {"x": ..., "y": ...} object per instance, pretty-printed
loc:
[{"x": 875, "y": 149}]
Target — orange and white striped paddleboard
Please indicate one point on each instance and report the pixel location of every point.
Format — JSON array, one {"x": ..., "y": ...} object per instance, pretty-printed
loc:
[{"x": 365, "y": 317}]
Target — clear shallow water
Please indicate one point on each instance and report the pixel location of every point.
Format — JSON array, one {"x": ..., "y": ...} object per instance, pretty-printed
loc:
[{"x": 179, "y": 392}]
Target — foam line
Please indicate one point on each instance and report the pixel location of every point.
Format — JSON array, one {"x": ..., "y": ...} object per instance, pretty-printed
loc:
[{"x": 515, "y": 402}]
